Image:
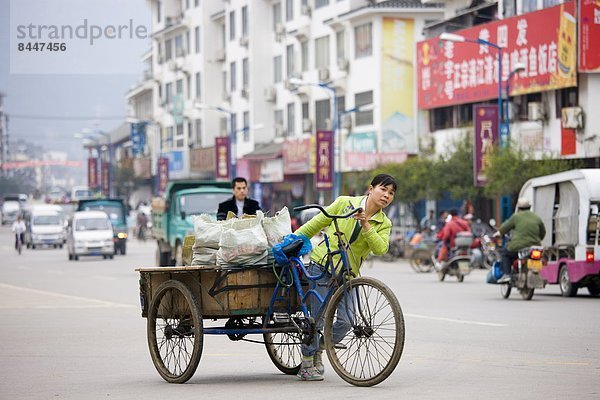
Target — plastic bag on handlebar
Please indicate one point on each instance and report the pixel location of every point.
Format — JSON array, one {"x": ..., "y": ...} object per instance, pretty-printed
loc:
[{"x": 280, "y": 256}]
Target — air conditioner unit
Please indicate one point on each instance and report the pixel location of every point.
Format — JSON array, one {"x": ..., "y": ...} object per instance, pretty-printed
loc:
[
  {"x": 572, "y": 117},
  {"x": 220, "y": 55},
  {"x": 270, "y": 94},
  {"x": 343, "y": 64},
  {"x": 226, "y": 95},
  {"x": 245, "y": 92},
  {"x": 172, "y": 65},
  {"x": 535, "y": 111},
  {"x": 280, "y": 29},
  {"x": 289, "y": 86},
  {"x": 347, "y": 121},
  {"x": 305, "y": 10},
  {"x": 169, "y": 21},
  {"x": 306, "y": 125},
  {"x": 244, "y": 41},
  {"x": 323, "y": 74}
]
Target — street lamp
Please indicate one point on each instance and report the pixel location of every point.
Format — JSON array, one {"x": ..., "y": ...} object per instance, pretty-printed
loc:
[
  {"x": 340, "y": 115},
  {"x": 502, "y": 122},
  {"x": 334, "y": 126}
]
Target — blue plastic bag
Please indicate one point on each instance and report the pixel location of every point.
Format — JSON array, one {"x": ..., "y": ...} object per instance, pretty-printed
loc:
[
  {"x": 495, "y": 273},
  {"x": 280, "y": 256}
]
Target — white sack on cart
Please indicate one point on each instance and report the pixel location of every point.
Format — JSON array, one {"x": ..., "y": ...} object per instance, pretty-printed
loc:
[
  {"x": 244, "y": 237},
  {"x": 208, "y": 232},
  {"x": 204, "y": 256},
  {"x": 278, "y": 226}
]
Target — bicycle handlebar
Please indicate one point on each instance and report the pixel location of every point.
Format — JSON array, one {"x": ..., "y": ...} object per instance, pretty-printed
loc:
[{"x": 322, "y": 209}]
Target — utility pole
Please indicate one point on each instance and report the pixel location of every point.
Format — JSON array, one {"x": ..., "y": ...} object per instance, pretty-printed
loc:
[{"x": 3, "y": 135}]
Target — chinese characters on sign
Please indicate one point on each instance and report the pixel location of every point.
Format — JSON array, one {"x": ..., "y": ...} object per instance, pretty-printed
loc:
[
  {"x": 486, "y": 138},
  {"x": 324, "y": 172},
  {"x": 93, "y": 173},
  {"x": 163, "y": 174},
  {"x": 589, "y": 36},
  {"x": 544, "y": 42},
  {"x": 138, "y": 138},
  {"x": 222, "y": 158},
  {"x": 105, "y": 178}
]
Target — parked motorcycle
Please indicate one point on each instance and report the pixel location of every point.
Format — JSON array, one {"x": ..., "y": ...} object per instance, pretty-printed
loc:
[
  {"x": 525, "y": 274},
  {"x": 396, "y": 249},
  {"x": 459, "y": 259}
]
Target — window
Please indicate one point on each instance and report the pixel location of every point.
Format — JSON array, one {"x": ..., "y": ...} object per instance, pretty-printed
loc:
[
  {"x": 245, "y": 73},
  {"x": 187, "y": 4},
  {"x": 197, "y": 39},
  {"x": 188, "y": 44},
  {"x": 179, "y": 139},
  {"x": 440, "y": 118},
  {"x": 363, "y": 41},
  {"x": 341, "y": 103},
  {"x": 304, "y": 51},
  {"x": 179, "y": 46},
  {"x": 224, "y": 81},
  {"x": 277, "y": 69},
  {"x": 232, "y": 76},
  {"x": 339, "y": 42},
  {"x": 197, "y": 140},
  {"x": 246, "y": 133},
  {"x": 179, "y": 86},
  {"x": 224, "y": 126},
  {"x": 232, "y": 25},
  {"x": 190, "y": 134},
  {"x": 278, "y": 116},
  {"x": 289, "y": 10},
  {"x": 509, "y": 8},
  {"x": 276, "y": 15},
  {"x": 188, "y": 87},
  {"x": 233, "y": 123},
  {"x": 322, "y": 114},
  {"x": 169, "y": 93},
  {"x": 321, "y": 3},
  {"x": 322, "y": 52},
  {"x": 196, "y": 3},
  {"x": 289, "y": 60},
  {"x": 551, "y": 3},
  {"x": 198, "y": 86},
  {"x": 363, "y": 117},
  {"x": 305, "y": 111},
  {"x": 160, "y": 53},
  {"x": 464, "y": 115},
  {"x": 168, "y": 50},
  {"x": 245, "y": 21},
  {"x": 528, "y": 6},
  {"x": 169, "y": 139},
  {"x": 566, "y": 98},
  {"x": 291, "y": 120},
  {"x": 158, "y": 10}
]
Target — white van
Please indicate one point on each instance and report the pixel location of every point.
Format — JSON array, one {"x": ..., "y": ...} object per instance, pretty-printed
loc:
[
  {"x": 80, "y": 193},
  {"x": 45, "y": 226},
  {"x": 568, "y": 203},
  {"x": 90, "y": 233}
]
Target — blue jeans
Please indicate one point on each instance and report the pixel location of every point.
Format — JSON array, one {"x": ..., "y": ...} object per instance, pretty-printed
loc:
[{"x": 345, "y": 315}]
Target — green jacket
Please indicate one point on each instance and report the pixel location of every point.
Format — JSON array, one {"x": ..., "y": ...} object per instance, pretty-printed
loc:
[
  {"x": 528, "y": 230},
  {"x": 374, "y": 240}
]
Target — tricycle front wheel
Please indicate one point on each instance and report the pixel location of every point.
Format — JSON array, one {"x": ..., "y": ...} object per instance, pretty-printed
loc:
[
  {"x": 175, "y": 332},
  {"x": 364, "y": 332},
  {"x": 284, "y": 350}
]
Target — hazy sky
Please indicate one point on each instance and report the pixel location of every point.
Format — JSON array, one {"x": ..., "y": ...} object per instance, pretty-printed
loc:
[{"x": 70, "y": 95}]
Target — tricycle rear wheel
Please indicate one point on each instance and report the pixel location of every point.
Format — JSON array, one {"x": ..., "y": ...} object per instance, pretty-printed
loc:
[
  {"x": 175, "y": 332},
  {"x": 284, "y": 349}
]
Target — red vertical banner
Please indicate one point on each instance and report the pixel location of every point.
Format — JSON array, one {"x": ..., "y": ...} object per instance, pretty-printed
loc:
[
  {"x": 222, "y": 158},
  {"x": 589, "y": 36},
  {"x": 105, "y": 178},
  {"x": 486, "y": 138},
  {"x": 92, "y": 173},
  {"x": 568, "y": 142},
  {"x": 324, "y": 167},
  {"x": 163, "y": 174}
]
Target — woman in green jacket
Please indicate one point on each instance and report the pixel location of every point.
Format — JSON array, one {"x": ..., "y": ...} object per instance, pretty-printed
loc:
[{"x": 368, "y": 231}]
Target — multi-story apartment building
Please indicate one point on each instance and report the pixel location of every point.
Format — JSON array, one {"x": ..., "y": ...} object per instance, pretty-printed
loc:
[{"x": 263, "y": 74}]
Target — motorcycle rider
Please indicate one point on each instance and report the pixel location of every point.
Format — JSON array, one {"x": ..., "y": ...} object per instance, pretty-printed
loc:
[
  {"x": 528, "y": 230},
  {"x": 448, "y": 235},
  {"x": 18, "y": 228}
]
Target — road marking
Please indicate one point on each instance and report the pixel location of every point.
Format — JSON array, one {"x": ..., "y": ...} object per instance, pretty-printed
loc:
[
  {"x": 95, "y": 303},
  {"x": 456, "y": 321}
]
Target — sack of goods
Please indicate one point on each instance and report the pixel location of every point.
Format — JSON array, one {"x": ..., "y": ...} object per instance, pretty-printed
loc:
[
  {"x": 208, "y": 236},
  {"x": 243, "y": 241},
  {"x": 277, "y": 227}
]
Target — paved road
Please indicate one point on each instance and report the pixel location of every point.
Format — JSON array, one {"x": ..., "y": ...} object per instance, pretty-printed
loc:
[{"x": 73, "y": 330}]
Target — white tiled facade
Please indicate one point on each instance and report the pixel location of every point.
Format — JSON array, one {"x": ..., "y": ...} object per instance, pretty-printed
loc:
[{"x": 264, "y": 44}]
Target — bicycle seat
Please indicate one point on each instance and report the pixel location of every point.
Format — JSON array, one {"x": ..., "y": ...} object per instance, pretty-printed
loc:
[{"x": 292, "y": 249}]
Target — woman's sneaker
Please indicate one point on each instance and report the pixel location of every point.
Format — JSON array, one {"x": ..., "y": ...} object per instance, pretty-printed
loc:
[
  {"x": 318, "y": 362},
  {"x": 309, "y": 374}
]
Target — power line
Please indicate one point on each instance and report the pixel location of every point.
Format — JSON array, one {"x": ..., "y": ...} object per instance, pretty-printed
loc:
[{"x": 55, "y": 117}]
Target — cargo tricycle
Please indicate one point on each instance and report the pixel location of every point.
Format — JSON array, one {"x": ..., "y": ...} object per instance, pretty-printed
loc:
[{"x": 270, "y": 301}]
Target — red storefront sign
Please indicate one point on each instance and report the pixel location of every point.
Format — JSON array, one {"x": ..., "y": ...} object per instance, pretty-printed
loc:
[
  {"x": 324, "y": 172},
  {"x": 92, "y": 173},
  {"x": 544, "y": 42},
  {"x": 589, "y": 36},
  {"x": 297, "y": 156},
  {"x": 486, "y": 138},
  {"x": 222, "y": 158},
  {"x": 105, "y": 178},
  {"x": 163, "y": 174}
]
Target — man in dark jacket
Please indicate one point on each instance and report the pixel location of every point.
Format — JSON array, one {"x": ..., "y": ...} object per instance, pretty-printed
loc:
[
  {"x": 528, "y": 230},
  {"x": 239, "y": 204}
]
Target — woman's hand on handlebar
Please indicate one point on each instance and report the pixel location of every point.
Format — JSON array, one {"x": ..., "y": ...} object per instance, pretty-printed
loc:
[{"x": 361, "y": 217}]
